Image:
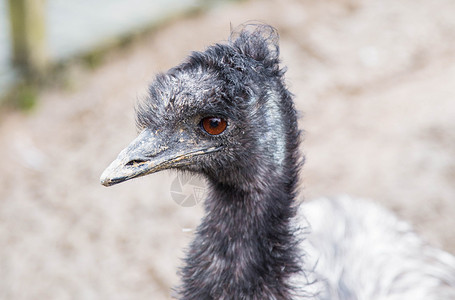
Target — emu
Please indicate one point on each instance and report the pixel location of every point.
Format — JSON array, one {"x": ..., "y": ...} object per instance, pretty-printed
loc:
[{"x": 226, "y": 114}]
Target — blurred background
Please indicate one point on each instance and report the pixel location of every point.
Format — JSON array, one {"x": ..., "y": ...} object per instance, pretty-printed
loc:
[{"x": 374, "y": 81}]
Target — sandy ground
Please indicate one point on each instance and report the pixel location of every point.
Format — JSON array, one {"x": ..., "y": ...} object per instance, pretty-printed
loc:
[{"x": 374, "y": 80}]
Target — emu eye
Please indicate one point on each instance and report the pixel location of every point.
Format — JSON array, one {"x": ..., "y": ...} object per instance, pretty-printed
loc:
[{"x": 214, "y": 125}]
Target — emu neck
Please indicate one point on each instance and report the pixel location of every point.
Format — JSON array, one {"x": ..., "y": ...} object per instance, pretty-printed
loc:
[{"x": 245, "y": 246}]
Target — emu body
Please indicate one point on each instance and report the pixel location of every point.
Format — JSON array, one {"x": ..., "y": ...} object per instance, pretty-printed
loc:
[{"x": 253, "y": 242}]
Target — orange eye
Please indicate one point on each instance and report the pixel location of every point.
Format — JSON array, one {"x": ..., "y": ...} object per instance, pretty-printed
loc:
[{"x": 214, "y": 125}]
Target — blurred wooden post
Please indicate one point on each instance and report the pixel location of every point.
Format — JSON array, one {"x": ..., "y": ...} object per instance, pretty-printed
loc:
[{"x": 27, "y": 19}]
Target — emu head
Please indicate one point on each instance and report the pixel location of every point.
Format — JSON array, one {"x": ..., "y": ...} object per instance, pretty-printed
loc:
[{"x": 223, "y": 113}]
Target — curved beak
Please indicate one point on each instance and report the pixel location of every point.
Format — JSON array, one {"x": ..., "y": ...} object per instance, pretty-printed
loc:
[{"x": 151, "y": 152}]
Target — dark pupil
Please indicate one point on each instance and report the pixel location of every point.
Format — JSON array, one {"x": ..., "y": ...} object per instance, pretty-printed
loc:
[{"x": 214, "y": 122}]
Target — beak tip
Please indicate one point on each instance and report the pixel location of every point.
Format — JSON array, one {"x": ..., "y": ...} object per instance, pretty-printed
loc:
[
  {"x": 105, "y": 179},
  {"x": 114, "y": 174},
  {"x": 105, "y": 182}
]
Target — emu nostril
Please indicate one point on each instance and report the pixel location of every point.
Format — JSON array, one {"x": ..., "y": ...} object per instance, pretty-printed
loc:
[{"x": 135, "y": 162}]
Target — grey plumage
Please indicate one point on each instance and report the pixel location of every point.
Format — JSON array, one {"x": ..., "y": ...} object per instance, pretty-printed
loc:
[{"x": 250, "y": 244}]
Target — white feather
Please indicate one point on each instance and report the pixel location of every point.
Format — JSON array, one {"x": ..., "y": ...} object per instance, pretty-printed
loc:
[{"x": 356, "y": 250}]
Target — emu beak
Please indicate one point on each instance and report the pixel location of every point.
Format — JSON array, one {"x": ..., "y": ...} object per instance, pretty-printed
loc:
[{"x": 151, "y": 152}]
